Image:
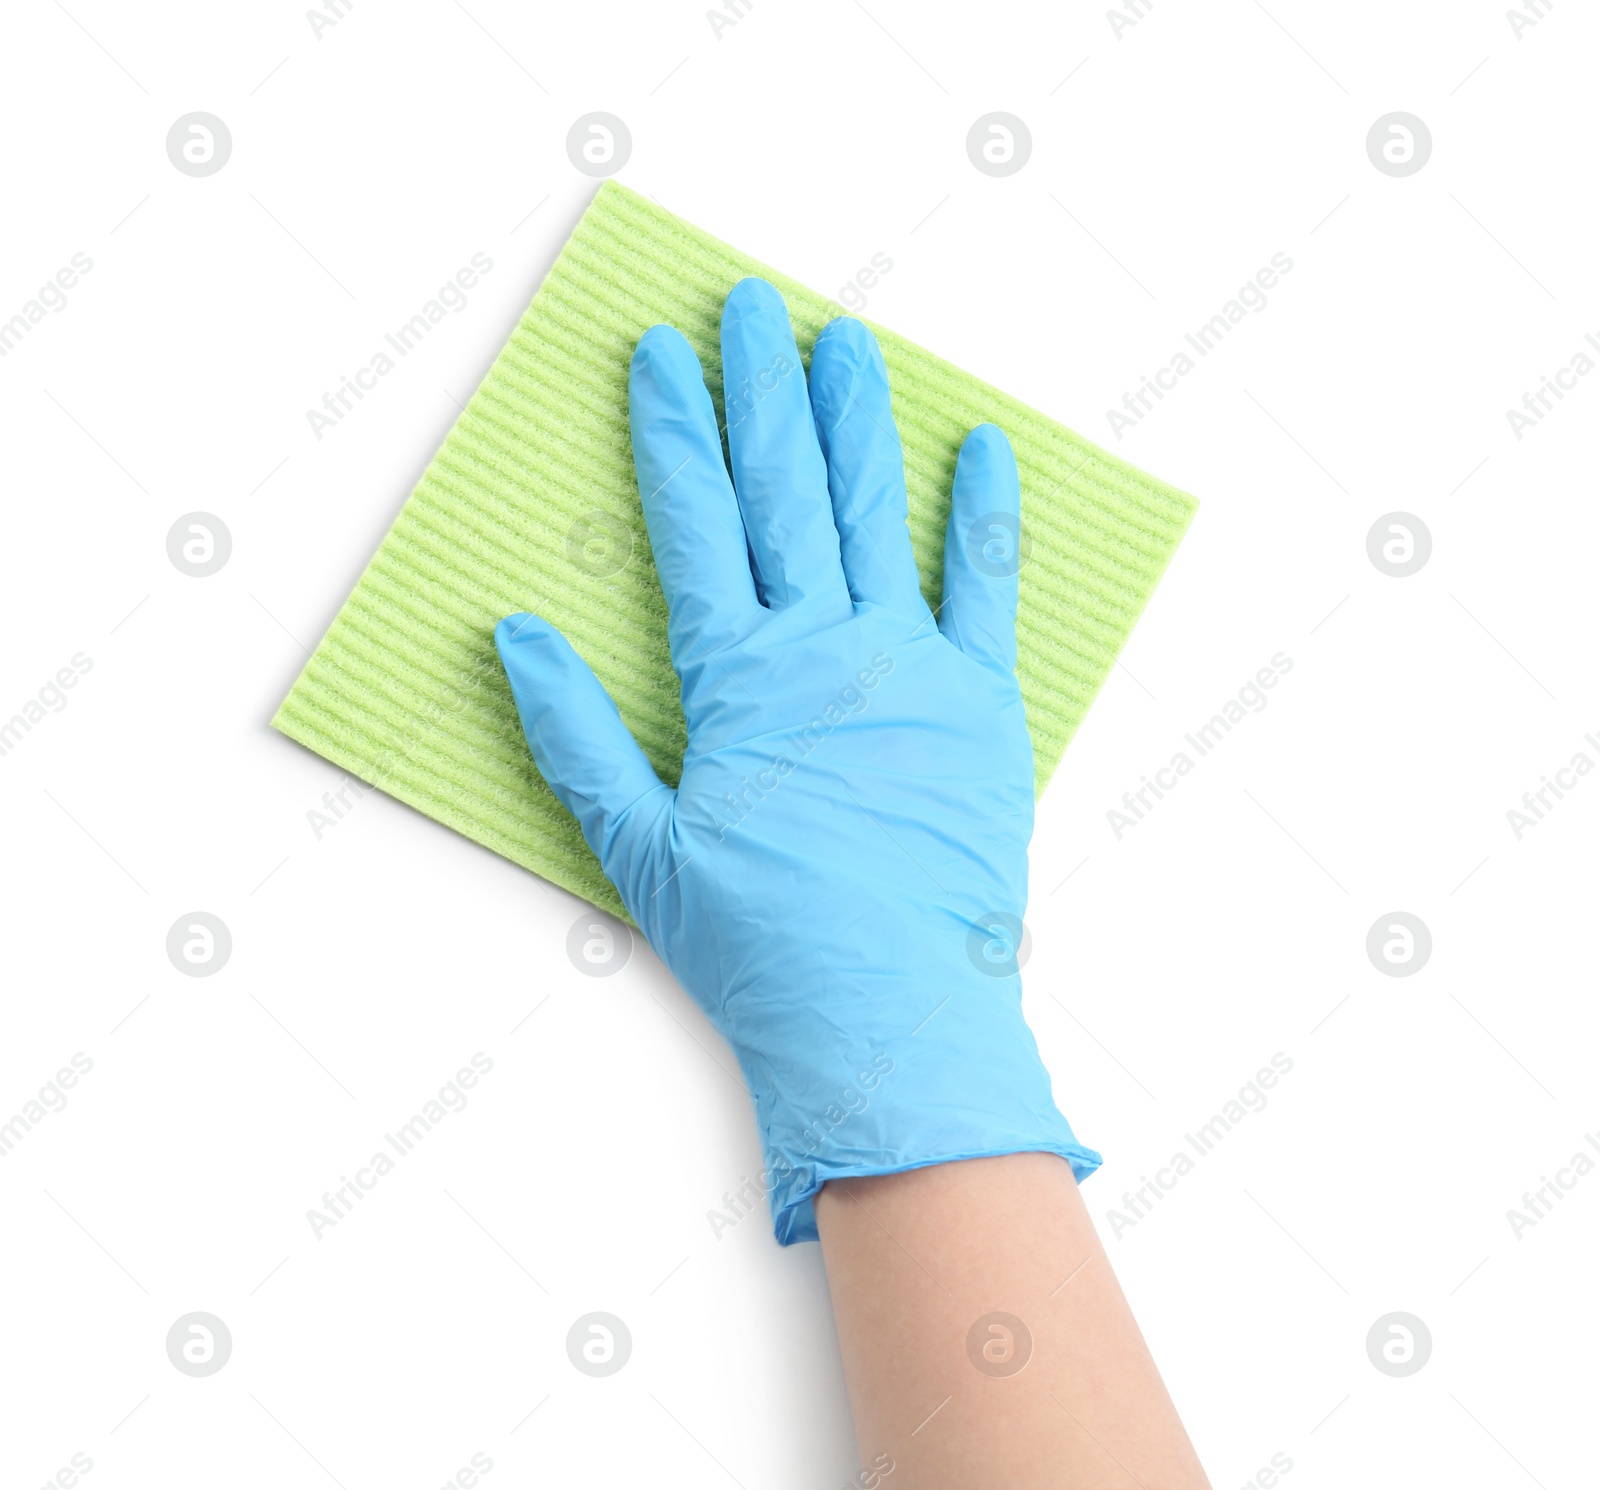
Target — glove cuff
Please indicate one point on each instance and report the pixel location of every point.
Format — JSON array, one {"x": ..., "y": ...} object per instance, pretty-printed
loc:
[{"x": 968, "y": 1083}]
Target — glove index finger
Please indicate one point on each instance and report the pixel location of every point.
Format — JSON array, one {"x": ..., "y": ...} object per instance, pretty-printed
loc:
[{"x": 696, "y": 532}]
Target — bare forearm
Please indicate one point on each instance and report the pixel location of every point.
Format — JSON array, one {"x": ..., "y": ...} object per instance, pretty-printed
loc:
[{"x": 985, "y": 1338}]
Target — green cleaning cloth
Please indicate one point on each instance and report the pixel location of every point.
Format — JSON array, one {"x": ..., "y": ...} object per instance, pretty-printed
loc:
[{"x": 531, "y": 504}]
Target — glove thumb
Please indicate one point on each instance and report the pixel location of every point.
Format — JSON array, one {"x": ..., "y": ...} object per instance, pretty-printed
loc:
[{"x": 581, "y": 746}]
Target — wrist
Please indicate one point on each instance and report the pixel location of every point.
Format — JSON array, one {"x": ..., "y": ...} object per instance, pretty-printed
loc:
[{"x": 902, "y": 1091}]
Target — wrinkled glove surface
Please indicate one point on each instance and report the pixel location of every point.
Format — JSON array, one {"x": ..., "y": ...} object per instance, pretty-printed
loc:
[{"x": 840, "y": 875}]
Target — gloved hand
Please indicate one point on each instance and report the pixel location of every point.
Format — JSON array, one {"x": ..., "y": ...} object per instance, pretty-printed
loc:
[{"x": 840, "y": 876}]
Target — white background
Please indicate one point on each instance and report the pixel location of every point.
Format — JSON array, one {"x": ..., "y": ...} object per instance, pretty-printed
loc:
[{"x": 368, "y": 165}]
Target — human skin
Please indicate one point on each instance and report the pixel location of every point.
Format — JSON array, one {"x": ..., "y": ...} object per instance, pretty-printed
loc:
[
  {"x": 855, "y": 923},
  {"x": 916, "y": 1260}
]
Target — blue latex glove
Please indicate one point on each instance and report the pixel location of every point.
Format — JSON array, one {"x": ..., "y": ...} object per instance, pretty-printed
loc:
[{"x": 839, "y": 877}]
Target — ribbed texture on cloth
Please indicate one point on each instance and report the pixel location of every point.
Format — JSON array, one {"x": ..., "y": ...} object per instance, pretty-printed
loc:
[{"x": 405, "y": 690}]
